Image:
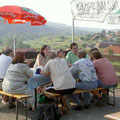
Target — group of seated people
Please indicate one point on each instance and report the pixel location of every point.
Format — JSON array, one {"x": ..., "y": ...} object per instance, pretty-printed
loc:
[{"x": 75, "y": 71}]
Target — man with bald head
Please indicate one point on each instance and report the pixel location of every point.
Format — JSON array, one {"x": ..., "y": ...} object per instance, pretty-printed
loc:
[{"x": 5, "y": 61}]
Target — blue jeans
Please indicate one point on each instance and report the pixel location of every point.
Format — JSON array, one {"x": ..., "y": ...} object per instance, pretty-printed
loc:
[
  {"x": 89, "y": 85},
  {"x": 105, "y": 86},
  {"x": 38, "y": 80}
]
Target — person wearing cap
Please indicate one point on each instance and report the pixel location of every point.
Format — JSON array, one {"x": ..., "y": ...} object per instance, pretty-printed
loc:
[
  {"x": 61, "y": 76},
  {"x": 62, "y": 79}
]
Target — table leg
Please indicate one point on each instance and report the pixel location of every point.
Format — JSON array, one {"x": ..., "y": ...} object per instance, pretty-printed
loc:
[{"x": 35, "y": 98}]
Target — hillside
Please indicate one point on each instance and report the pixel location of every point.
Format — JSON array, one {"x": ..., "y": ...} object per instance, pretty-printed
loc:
[{"x": 50, "y": 28}]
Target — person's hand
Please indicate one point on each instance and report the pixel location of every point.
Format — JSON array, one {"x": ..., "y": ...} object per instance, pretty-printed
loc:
[
  {"x": 28, "y": 61},
  {"x": 78, "y": 80},
  {"x": 70, "y": 65},
  {"x": 39, "y": 89}
]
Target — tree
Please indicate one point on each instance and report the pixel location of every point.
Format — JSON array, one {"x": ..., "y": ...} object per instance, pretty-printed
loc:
[
  {"x": 110, "y": 51},
  {"x": 109, "y": 32},
  {"x": 83, "y": 45},
  {"x": 8, "y": 41},
  {"x": 103, "y": 33},
  {"x": 62, "y": 37},
  {"x": 82, "y": 38}
]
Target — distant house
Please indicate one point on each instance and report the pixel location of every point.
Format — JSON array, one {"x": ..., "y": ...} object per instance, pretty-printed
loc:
[
  {"x": 117, "y": 34},
  {"x": 108, "y": 37},
  {"x": 26, "y": 50},
  {"x": 105, "y": 44},
  {"x": 29, "y": 52},
  {"x": 115, "y": 49}
]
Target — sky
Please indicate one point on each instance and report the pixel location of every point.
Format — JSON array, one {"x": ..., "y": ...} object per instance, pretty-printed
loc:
[{"x": 58, "y": 11}]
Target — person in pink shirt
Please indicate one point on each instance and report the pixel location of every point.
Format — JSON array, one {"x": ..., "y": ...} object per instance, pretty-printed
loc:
[{"x": 106, "y": 74}]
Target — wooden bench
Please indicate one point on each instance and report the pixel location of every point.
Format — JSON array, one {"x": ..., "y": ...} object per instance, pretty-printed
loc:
[
  {"x": 77, "y": 91},
  {"x": 114, "y": 116},
  {"x": 81, "y": 91},
  {"x": 18, "y": 97}
]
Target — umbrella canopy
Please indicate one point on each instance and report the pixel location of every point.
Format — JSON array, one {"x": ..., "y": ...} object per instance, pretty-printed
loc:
[
  {"x": 16, "y": 14},
  {"x": 20, "y": 15}
]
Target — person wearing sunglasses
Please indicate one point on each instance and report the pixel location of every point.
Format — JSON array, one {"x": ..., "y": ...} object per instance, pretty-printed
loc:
[{"x": 72, "y": 56}]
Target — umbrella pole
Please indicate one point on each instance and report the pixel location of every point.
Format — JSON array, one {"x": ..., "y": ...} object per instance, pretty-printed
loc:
[{"x": 14, "y": 37}]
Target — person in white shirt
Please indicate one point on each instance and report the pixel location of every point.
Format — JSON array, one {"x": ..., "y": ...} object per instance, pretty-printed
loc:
[
  {"x": 5, "y": 61},
  {"x": 62, "y": 79},
  {"x": 61, "y": 76},
  {"x": 42, "y": 58}
]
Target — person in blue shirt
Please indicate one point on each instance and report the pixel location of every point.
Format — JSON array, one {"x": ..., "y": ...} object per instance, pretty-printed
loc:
[{"x": 87, "y": 78}]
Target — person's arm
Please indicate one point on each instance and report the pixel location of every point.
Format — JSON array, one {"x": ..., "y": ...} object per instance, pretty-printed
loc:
[
  {"x": 9, "y": 60},
  {"x": 95, "y": 65},
  {"x": 28, "y": 71},
  {"x": 28, "y": 61},
  {"x": 46, "y": 69},
  {"x": 73, "y": 69},
  {"x": 68, "y": 59},
  {"x": 70, "y": 65},
  {"x": 43, "y": 73},
  {"x": 39, "y": 60}
]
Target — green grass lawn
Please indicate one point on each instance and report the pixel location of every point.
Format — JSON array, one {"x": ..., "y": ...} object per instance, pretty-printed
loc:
[
  {"x": 116, "y": 63},
  {"x": 56, "y": 42},
  {"x": 118, "y": 73},
  {"x": 118, "y": 86}
]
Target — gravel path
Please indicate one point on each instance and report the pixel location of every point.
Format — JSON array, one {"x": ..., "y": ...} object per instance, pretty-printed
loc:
[{"x": 95, "y": 113}]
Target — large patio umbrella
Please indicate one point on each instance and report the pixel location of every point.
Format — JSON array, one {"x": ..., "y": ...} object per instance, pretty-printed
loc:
[{"x": 20, "y": 15}]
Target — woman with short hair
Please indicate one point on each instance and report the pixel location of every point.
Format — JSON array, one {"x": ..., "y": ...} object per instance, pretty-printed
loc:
[{"x": 15, "y": 81}]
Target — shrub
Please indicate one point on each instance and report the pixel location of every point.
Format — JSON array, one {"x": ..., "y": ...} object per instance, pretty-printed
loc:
[{"x": 110, "y": 52}]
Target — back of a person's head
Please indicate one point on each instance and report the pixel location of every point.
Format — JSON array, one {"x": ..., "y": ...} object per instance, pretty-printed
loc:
[
  {"x": 96, "y": 54},
  {"x": 82, "y": 54},
  {"x": 73, "y": 44},
  {"x": 93, "y": 49},
  {"x": 66, "y": 51},
  {"x": 52, "y": 55},
  {"x": 18, "y": 58},
  {"x": 7, "y": 51}
]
